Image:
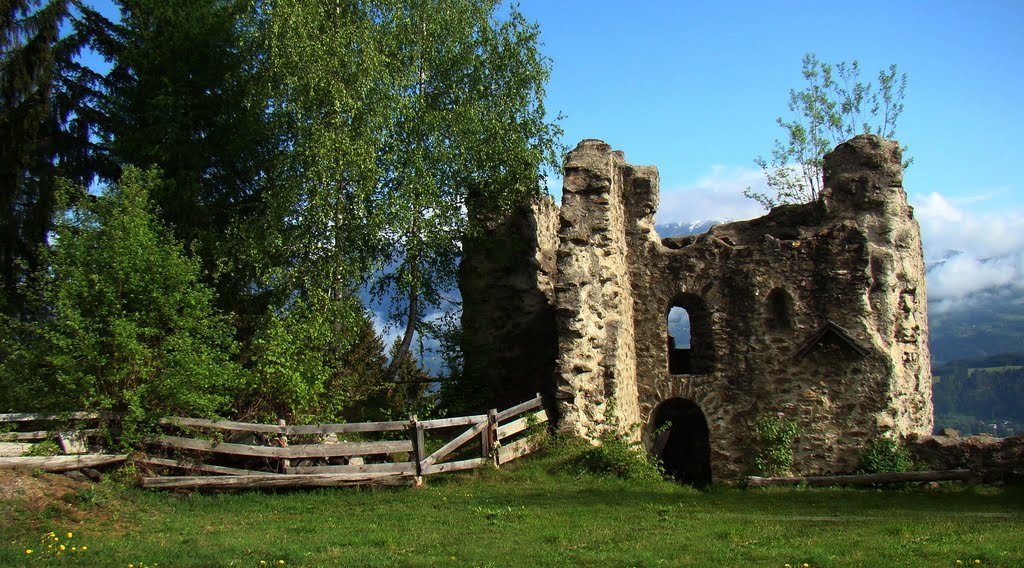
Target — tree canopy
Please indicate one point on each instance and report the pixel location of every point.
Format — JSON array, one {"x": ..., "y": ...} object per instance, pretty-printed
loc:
[
  {"x": 263, "y": 168},
  {"x": 834, "y": 106}
]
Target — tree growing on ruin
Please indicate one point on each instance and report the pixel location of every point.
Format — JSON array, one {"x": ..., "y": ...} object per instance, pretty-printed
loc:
[{"x": 834, "y": 106}]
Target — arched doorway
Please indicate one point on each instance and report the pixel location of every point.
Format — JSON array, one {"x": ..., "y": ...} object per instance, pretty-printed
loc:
[{"x": 682, "y": 441}]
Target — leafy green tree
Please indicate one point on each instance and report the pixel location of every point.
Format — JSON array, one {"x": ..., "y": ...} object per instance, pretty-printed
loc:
[
  {"x": 129, "y": 325},
  {"x": 42, "y": 136},
  {"x": 833, "y": 107},
  {"x": 187, "y": 93},
  {"x": 403, "y": 114},
  {"x": 308, "y": 369}
]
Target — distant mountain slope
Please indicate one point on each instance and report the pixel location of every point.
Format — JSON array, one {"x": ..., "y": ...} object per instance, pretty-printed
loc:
[{"x": 666, "y": 230}]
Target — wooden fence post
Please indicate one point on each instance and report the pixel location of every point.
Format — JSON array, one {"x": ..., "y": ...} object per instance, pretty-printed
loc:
[
  {"x": 417, "y": 449},
  {"x": 283, "y": 440},
  {"x": 489, "y": 437}
]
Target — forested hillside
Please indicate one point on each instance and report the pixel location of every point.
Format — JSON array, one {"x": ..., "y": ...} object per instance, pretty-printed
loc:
[{"x": 984, "y": 394}]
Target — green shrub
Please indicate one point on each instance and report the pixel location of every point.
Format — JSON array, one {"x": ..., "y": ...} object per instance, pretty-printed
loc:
[
  {"x": 126, "y": 324},
  {"x": 885, "y": 455},
  {"x": 614, "y": 455},
  {"x": 617, "y": 457},
  {"x": 44, "y": 448},
  {"x": 775, "y": 434}
]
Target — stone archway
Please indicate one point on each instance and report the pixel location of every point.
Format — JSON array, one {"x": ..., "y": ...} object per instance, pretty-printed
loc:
[{"x": 682, "y": 441}]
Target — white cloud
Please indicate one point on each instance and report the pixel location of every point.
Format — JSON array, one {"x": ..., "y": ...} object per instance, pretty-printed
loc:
[
  {"x": 989, "y": 241},
  {"x": 946, "y": 226},
  {"x": 990, "y": 257},
  {"x": 718, "y": 194}
]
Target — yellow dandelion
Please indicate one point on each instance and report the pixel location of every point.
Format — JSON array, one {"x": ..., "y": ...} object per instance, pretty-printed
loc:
[
  {"x": 280, "y": 562},
  {"x": 131, "y": 566},
  {"x": 806, "y": 565},
  {"x": 28, "y": 551},
  {"x": 84, "y": 548},
  {"x": 70, "y": 535},
  {"x": 62, "y": 547},
  {"x": 74, "y": 549}
]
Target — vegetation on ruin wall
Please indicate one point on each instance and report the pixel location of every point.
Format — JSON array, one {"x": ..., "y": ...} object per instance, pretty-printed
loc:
[{"x": 536, "y": 513}]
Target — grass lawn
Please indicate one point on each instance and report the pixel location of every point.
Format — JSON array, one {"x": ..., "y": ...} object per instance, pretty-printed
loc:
[{"x": 526, "y": 514}]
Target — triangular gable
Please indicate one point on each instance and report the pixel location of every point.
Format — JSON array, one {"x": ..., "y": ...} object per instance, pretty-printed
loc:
[{"x": 835, "y": 330}]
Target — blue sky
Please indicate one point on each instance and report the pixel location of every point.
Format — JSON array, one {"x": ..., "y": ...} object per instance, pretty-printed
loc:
[
  {"x": 690, "y": 86},
  {"x": 695, "y": 87}
]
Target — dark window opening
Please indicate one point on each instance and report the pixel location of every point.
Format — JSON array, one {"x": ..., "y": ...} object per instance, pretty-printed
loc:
[
  {"x": 689, "y": 336},
  {"x": 682, "y": 441},
  {"x": 779, "y": 311}
]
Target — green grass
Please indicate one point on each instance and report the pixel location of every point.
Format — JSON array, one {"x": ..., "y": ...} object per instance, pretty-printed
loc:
[{"x": 528, "y": 515}]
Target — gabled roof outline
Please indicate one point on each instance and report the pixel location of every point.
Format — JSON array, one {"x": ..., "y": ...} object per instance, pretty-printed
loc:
[{"x": 831, "y": 327}]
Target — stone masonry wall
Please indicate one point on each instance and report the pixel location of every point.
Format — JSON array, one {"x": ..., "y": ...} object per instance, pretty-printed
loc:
[{"x": 817, "y": 311}]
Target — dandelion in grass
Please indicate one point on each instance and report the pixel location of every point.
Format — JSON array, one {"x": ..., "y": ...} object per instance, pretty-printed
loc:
[{"x": 28, "y": 551}]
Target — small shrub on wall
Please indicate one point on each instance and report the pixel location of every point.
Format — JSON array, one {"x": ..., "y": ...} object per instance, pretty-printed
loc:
[
  {"x": 775, "y": 435},
  {"x": 885, "y": 455}
]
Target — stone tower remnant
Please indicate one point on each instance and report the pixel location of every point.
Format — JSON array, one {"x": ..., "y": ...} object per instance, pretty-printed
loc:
[{"x": 817, "y": 311}]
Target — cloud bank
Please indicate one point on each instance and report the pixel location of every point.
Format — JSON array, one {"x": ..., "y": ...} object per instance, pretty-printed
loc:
[{"x": 971, "y": 255}]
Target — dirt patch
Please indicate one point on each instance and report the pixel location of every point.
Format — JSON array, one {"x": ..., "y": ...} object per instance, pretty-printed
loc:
[{"x": 37, "y": 491}]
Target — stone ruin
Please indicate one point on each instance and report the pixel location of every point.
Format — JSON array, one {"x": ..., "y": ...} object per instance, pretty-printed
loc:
[{"x": 817, "y": 311}]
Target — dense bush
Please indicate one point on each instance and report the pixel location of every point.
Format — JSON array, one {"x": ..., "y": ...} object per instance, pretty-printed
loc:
[
  {"x": 125, "y": 324},
  {"x": 885, "y": 455}
]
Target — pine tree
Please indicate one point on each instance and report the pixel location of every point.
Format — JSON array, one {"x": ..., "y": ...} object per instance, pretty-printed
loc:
[{"x": 43, "y": 135}]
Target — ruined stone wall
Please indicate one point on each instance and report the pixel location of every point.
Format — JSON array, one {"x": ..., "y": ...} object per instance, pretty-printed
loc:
[
  {"x": 593, "y": 296},
  {"x": 508, "y": 315},
  {"x": 817, "y": 311}
]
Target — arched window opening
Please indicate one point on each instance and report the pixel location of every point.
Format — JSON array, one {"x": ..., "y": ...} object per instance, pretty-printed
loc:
[
  {"x": 689, "y": 336},
  {"x": 779, "y": 312},
  {"x": 682, "y": 441},
  {"x": 678, "y": 340}
]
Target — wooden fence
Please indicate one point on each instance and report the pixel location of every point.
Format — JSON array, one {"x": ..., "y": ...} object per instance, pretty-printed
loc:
[{"x": 315, "y": 455}]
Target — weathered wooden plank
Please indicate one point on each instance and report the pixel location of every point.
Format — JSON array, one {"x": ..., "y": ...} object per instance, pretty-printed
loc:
[
  {"x": 198, "y": 466},
  {"x": 31, "y": 417},
  {"x": 291, "y": 452},
  {"x": 515, "y": 450},
  {"x": 520, "y": 408},
  {"x": 408, "y": 468},
  {"x": 450, "y": 447},
  {"x": 864, "y": 479},
  {"x": 392, "y": 426},
  {"x": 61, "y": 463},
  {"x": 520, "y": 424},
  {"x": 39, "y": 435},
  {"x": 14, "y": 449},
  {"x": 222, "y": 425},
  {"x": 449, "y": 422},
  {"x": 454, "y": 466},
  {"x": 274, "y": 480},
  {"x": 289, "y": 430}
]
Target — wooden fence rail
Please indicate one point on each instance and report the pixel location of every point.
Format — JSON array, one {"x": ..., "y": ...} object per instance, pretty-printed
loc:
[{"x": 503, "y": 436}]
